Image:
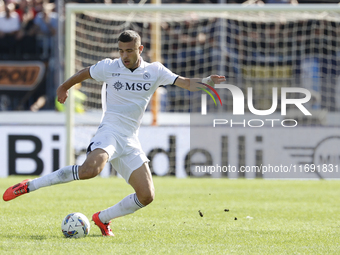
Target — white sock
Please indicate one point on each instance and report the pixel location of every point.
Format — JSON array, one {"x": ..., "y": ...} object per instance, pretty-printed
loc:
[
  {"x": 63, "y": 175},
  {"x": 128, "y": 205}
]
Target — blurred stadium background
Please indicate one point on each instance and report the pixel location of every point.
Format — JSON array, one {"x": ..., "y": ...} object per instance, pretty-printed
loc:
[{"x": 253, "y": 43}]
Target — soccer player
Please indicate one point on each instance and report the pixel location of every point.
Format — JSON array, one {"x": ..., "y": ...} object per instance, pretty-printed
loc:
[{"x": 130, "y": 83}]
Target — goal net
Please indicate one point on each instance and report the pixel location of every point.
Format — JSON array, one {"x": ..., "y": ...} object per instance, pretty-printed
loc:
[
  {"x": 261, "y": 47},
  {"x": 256, "y": 46}
]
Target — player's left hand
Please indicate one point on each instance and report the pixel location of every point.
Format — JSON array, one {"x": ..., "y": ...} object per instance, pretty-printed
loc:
[
  {"x": 217, "y": 79},
  {"x": 62, "y": 94}
]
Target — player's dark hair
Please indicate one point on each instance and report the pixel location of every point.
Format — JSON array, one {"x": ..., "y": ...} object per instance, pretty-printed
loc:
[{"x": 129, "y": 36}]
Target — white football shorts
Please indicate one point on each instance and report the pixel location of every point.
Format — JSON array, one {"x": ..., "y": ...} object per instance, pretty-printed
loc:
[{"x": 125, "y": 153}]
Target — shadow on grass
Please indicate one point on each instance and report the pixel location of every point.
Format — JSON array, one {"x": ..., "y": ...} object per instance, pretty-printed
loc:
[
  {"x": 37, "y": 237},
  {"x": 26, "y": 237},
  {"x": 44, "y": 237},
  {"x": 99, "y": 235}
]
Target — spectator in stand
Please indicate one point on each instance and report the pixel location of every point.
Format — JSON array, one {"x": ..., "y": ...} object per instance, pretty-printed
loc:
[
  {"x": 37, "y": 6},
  {"x": 47, "y": 20},
  {"x": 27, "y": 35},
  {"x": 46, "y": 23},
  {"x": 22, "y": 8},
  {"x": 9, "y": 28}
]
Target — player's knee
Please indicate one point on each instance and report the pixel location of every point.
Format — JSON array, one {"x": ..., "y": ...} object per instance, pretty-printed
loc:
[
  {"x": 147, "y": 199},
  {"x": 93, "y": 165},
  {"x": 88, "y": 172},
  {"x": 147, "y": 196},
  {"x": 91, "y": 169}
]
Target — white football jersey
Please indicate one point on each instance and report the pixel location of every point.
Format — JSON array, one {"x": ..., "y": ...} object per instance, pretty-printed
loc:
[{"x": 128, "y": 92}]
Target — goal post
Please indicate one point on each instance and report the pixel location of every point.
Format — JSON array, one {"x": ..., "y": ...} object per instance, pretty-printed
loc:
[
  {"x": 259, "y": 46},
  {"x": 69, "y": 71},
  {"x": 156, "y": 56}
]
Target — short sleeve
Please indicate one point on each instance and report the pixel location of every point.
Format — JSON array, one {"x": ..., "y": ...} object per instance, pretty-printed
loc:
[
  {"x": 97, "y": 70},
  {"x": 165, "y": 76}
]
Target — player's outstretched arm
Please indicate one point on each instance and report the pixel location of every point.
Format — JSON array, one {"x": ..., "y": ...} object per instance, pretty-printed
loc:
[
  {"x": 62, "y": 90},
  {"x": 193, "y": 84}
]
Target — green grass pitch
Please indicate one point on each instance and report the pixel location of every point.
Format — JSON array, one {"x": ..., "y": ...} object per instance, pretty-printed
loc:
[{"x": 264, "y": 217}]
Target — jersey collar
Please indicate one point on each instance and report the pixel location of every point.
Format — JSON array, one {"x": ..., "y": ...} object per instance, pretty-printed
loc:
[{"x": 121, "y": 65}]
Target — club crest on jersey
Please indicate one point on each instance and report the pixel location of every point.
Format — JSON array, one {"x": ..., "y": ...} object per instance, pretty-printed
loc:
[
  {"x": 146, "y": 76},
  {"x": 118, "y": 85}
]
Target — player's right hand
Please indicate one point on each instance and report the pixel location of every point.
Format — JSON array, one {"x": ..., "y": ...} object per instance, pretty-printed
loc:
[{"x": 62, "y": 94}]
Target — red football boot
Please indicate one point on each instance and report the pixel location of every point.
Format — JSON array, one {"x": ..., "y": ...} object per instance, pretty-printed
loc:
[
  {"x": 16, "y": 190},
  {"x": 104, "y": 227}
]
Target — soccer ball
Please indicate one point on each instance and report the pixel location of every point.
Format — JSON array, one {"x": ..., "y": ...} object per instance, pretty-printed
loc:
[{"x": 75, "y": 225}]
